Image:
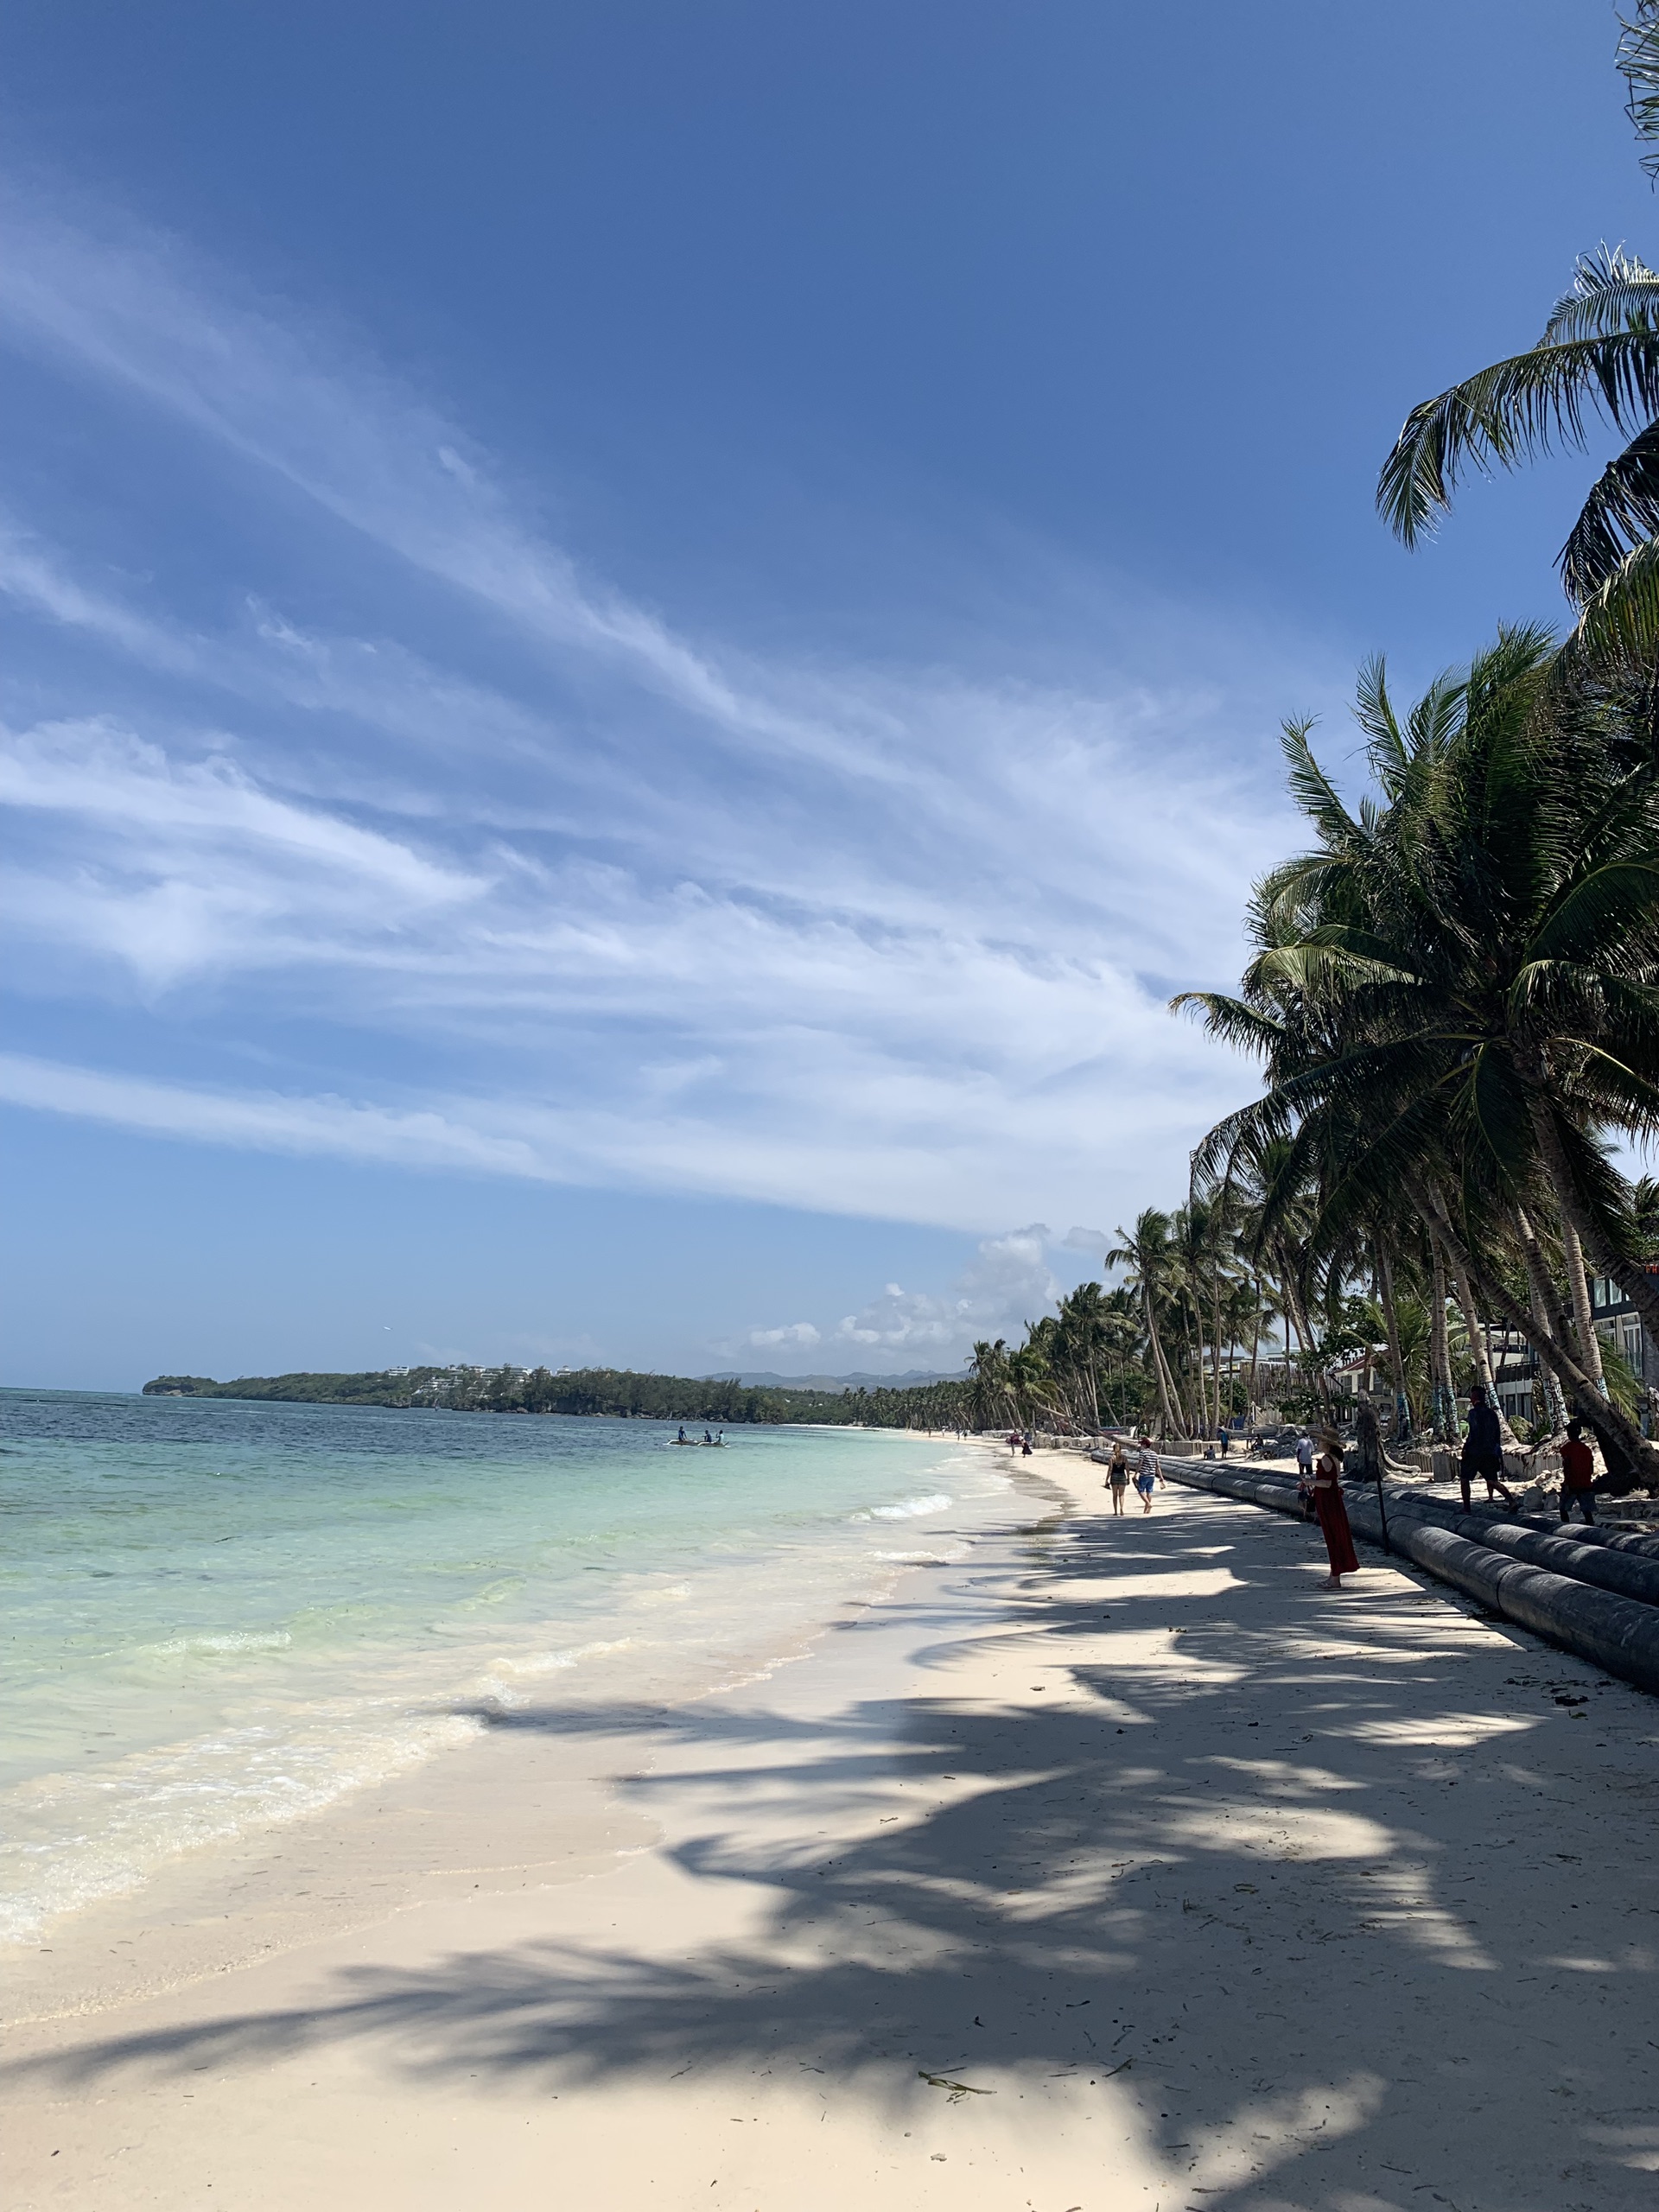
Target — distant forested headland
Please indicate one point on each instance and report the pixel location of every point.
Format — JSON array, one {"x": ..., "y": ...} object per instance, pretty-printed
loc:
[{"x": 613, "y": 1392}]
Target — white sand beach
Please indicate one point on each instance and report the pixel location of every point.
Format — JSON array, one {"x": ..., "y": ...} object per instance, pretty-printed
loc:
[{"x": 1116, "y": 1866}]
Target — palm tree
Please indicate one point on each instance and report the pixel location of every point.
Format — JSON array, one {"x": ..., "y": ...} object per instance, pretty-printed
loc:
[
  {"x": 1145, "y": 1250},
  {"x": 1031, "y": 1380},
  {"x": 1457, "y": 992},
  {"x": 1599, "y": 357},
  {"x": 1080, "y": 1336},
  {"x": 990, "y": 1392}
]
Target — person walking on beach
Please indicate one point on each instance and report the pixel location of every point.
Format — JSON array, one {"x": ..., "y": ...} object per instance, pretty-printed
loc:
[
  {"x": 1221, "y": 1437},
  {"x": 1305, "y": 1474},
  {"x": 1331, "y": 1508},
  {"x": 1483, "y": 1449},
  {"x": 1117, "y": 1476},
  {"x": 1146, "y": 1473},
  {"x": 1578, "y": 1475}
]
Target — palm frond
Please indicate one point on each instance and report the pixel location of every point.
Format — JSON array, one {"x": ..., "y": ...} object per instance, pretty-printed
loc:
[
  {"x": 1431, "y": 722},
  {"x": 1310, "y": 787},
  {"x": 1622, "y": 1098},
  {"x": 1231, "y": 1020},
  {"x": 1254, "y": 1131},
  {"x": 1311, "y": 969},
  {"x": 1610, "y": 290},
  {"x": 1638, "y": 64},
  {"x": 1373, "y": 712},
  {"x": 1517, "y": 408},
  {"x": 1611, "y": 904},
  {"x": 1621, "y": 512},
  {"x": 1617, "y": 632}
]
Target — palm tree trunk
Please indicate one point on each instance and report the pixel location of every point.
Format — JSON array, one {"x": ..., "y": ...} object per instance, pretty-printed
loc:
[
  {"x": 1542, "y": 1298},
  {"x": 1459, "y": 1261},
  {"x": 1619, "y": 1438},
  {"x": 1440, "y": 1352},
  {"x": 1160, "y": 1365},
  {"x": 1479, "y": 1354},
  {"x": 1295, "y": 1315},
  {"x": 1479, "y": 1349},
  {"x": 1577, "y": 1289},
  {"x": 1194, "y": 1365},
  {"x": 1637, "y": 1285},
  {"x": 1215, "y": 1339},
  {"x": 1396, "y": 1357}
]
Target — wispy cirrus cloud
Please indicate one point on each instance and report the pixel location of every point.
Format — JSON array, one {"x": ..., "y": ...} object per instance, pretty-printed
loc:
[
  {"x": 264, "y": 1121},
  {"x": 611, "y": 903}
]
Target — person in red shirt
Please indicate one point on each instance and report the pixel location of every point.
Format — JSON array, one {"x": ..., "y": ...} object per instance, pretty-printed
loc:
[{"x": 1578, "y": 1475}]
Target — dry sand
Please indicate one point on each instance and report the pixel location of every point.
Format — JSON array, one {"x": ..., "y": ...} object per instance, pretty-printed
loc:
[{"x": 1117, "y": 1866}]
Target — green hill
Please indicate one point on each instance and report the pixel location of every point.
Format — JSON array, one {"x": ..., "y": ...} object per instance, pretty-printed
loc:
[{"x": 614, "y": 1393}]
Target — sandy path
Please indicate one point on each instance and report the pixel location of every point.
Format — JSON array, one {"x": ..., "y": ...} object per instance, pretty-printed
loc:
[{"x": 1215, "y": 1890}]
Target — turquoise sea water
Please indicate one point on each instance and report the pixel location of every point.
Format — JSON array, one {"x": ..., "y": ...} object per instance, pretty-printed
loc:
[{"x": 218, "y": 1614}]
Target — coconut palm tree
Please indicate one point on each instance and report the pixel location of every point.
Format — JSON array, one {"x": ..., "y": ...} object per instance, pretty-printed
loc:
[
  {"x": 1457, "y": 991},
  {"x": 1145, "y": 1252},
  {"x": 1597, "y": 360},
  {"x": 1031, "y": 1379},
  {"x": 990, "y": 1392},
  {"x": 1080, "y": 1334}
]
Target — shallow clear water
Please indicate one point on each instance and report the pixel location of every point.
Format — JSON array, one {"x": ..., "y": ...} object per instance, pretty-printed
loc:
[{"x": 218, "y": 1614}]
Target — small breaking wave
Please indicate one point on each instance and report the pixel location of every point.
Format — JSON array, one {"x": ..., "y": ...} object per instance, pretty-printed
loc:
[
  {"x": 914, "y": 1508},
  {"x": 275, "y": 1639},
  {"x": 544, "y": 1663}
]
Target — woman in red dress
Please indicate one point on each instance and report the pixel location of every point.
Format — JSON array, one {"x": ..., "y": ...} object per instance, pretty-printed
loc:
[{"x": 1332, "y": 1512}]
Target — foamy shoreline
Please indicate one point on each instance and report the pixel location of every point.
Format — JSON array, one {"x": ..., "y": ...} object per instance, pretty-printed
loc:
[{"x": 1113, "y": 1864}]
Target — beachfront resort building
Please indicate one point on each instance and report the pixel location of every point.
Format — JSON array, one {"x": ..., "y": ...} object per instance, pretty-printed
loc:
[{"x": 1618, "y": 1324}]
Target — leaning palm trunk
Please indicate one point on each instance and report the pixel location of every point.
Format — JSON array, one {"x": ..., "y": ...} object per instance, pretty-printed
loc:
[
  {"x": 1159, "y": 1364},
  {"x": 1479, "y": 1355},
  {"x": 1583, "y": 1322},
  {"x": 1577, "y": 1214},
  {"x": 1295, "y": 1314},
  {"x": 1541, "y": 1300},
  {"x": 1621, "y": 1441},
  {"x": 1479, "y": 1350},
  {"x": 1619, "y": 1438}
]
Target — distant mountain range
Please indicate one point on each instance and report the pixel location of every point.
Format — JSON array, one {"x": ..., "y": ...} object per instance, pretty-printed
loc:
[{"x": 753, "y": 1379}]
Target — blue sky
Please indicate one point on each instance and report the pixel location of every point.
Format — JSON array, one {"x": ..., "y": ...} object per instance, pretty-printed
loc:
[{"x": 640, "y": 640}]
